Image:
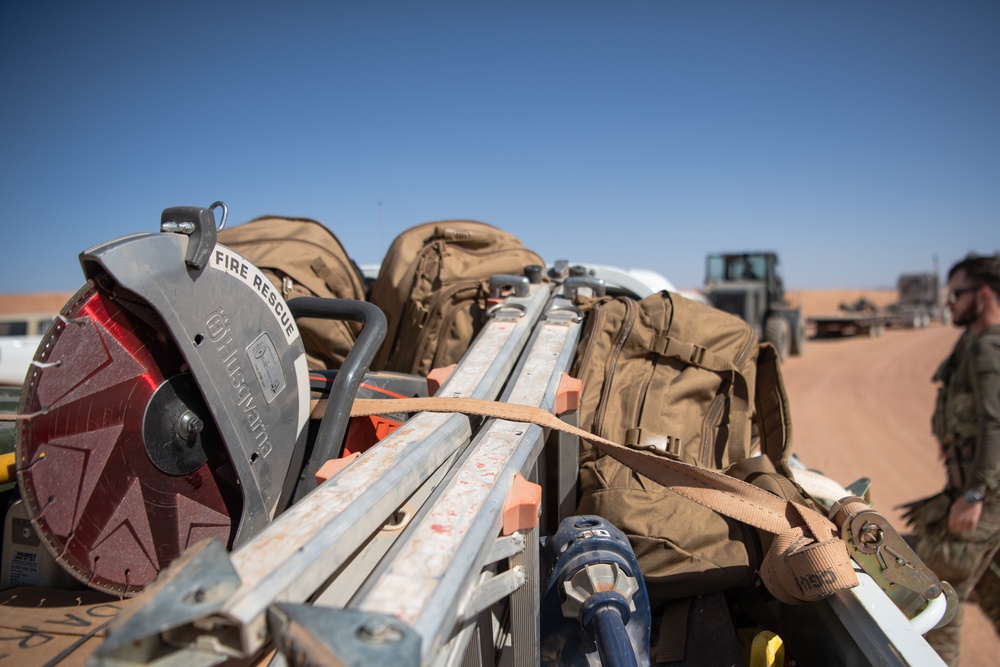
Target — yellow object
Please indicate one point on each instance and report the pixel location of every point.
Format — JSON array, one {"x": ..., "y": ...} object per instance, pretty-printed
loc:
[
  {"x": 766, "y": 650},
  {"x": 8, "y": 472}
]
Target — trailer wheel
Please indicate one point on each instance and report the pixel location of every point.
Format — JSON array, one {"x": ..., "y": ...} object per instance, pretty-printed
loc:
[{"x": 778, "y": 333}]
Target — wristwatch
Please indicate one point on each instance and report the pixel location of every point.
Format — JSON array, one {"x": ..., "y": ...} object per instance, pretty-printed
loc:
[{"x": 973, "y": 496}]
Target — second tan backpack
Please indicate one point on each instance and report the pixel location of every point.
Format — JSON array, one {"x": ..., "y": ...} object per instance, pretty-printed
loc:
[{"x": 433, "y": 286}]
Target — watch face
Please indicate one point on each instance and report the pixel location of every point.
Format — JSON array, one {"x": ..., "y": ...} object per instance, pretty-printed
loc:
[{"x": 973, "y": 496}]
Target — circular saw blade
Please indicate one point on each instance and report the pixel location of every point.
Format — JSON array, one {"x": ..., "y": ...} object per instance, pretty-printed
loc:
[{"x": 105, "y": 388}]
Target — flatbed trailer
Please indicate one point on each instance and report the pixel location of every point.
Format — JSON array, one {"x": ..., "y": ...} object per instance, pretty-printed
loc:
[
  {"x": 911, "y": 316},
  {"x": 861, "y": 324}
]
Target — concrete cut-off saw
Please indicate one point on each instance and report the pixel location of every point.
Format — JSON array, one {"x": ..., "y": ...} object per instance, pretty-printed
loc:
[{"x": 167, "y": 404}]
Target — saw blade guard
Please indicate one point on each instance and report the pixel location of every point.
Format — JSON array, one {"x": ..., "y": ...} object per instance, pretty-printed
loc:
[{"x": 166, "y": 406}]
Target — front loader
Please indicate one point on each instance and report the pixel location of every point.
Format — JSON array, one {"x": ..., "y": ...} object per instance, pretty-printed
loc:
[{"x": 748, "y": 285}]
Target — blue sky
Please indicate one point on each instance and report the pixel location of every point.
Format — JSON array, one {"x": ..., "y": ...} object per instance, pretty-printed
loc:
[{"x": 858, "y": 139}]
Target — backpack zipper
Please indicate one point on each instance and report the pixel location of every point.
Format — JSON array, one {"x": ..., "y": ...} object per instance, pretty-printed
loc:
[
  {"x": 627, "y": 324},
  {"x": 406, "y": 315},
  {"x": 746, "y": 348},
  {"x": 710, "y": 422},
  {"x": 444, "y": 297},
  {"x": 598, "y": 315}
]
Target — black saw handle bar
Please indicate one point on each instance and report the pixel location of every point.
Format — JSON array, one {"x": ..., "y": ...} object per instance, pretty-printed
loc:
[{"x": 333, "y": 426}]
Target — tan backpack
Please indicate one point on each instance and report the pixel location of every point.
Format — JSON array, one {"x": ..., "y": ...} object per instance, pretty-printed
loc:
[
  {"x": 433, "y": 286},
  {"x": 692, "y": 383},
  {"x": 301, "y": 257}
]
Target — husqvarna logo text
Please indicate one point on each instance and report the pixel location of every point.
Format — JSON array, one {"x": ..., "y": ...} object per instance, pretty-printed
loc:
[{"x": 219, "y": 333}]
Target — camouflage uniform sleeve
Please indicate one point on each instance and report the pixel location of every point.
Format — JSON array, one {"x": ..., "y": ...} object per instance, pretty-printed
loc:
[{"x": 986, "y": 365}]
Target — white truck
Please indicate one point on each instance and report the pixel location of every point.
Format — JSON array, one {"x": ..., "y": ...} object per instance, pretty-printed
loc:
[{"x": 19, "y": 338}]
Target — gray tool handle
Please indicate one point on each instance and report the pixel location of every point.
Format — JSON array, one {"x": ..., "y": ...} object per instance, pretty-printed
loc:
[{"x": 345, "y": 386}]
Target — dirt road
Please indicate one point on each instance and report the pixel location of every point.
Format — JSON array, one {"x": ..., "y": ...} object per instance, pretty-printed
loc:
[{"x": 861, "y": 407}]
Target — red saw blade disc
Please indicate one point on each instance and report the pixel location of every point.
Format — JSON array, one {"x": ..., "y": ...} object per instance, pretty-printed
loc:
[{"x": 113, "y": 483}]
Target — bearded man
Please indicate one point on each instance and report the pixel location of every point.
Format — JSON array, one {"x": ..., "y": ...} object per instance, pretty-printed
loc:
[{"x": 958, "y": 532}]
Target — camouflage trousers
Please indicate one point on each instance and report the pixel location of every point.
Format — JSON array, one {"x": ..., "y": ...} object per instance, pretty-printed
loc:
[{"x": 958, "y": 558}]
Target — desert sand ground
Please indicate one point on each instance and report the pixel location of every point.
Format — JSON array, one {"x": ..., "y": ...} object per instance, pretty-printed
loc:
[{"x": 861, "y": 407}]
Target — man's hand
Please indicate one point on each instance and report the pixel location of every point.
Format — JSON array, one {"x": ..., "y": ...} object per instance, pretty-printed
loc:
[{"x": 964, "y": 516}]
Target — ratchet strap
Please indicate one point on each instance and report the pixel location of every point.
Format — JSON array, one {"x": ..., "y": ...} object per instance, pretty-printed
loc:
[{"x": 807, "y": 560}]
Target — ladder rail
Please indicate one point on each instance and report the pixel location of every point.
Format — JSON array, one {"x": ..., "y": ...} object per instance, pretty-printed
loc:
[{"x": 431, "y": 580}]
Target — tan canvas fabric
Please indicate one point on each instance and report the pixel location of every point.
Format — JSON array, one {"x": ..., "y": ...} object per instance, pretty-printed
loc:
[
  {"x": 433, "y": 286},
  {"x": 691, "y": 383},
  {"x": 670, "y": 374},
  {"x": 302, "y": 257}
]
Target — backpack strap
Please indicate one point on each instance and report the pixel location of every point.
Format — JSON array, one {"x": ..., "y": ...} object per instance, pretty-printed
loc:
[
  {"x": 696, "y": 355},
  {"x": 771, "y": 403},
  {"x": 807, "y": 560}
]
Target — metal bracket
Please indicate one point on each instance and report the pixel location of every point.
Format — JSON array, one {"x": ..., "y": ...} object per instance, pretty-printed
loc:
[
  {"x": 518, "y": 285},
  {"x": 490, "y": 591},
  {"x": 882, "y": 552},
  {"x": 573, "y": 285},
  {"x": 195, "y": 586},
  {"x": 308, "y": 635}
]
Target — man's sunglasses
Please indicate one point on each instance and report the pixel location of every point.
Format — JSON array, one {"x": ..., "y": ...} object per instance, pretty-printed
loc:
[{"x": 956, "y": 294}]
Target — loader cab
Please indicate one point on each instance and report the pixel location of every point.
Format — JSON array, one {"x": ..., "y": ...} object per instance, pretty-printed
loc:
[
  {"x": 744, "y": 269},
  {"x": 744, "y": 284},
  {"x": 748, "y": 285}
]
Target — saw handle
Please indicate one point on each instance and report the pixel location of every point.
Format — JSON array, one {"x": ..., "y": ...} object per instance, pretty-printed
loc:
[{"x": 345, "y": 386}]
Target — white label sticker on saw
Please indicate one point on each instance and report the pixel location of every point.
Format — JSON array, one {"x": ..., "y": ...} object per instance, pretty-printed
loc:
[
  {"x": 266, "y": 366},
  {"x": 224, "y": 259}
]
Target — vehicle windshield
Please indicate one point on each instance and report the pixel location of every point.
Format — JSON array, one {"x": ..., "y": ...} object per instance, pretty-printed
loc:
[{"x": 724, "y": 268}]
